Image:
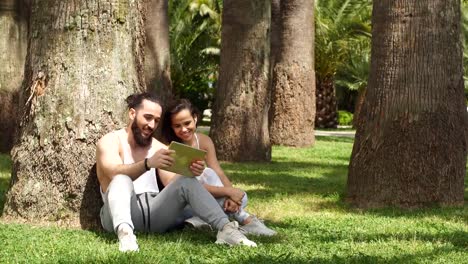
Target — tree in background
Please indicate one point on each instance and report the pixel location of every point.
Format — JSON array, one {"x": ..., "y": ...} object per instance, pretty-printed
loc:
[
  {"x": 337, "y": 24},
  {"x": 411, "y": 149},
  {"x": 157, "y": 51},
  {"x": 13, "y": 44},
  {"x": 239, "y": 125},
  {"x": 195, "y": 31},
  {"x": 464, "y": 14},
  {"x": 84, "y": 58},
  {"x": 292, "y": 110},
  {"x": 352, "y": 77}
]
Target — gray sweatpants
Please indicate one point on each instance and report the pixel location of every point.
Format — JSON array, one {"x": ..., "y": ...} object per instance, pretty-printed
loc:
[{"x": 152, "y": 212}]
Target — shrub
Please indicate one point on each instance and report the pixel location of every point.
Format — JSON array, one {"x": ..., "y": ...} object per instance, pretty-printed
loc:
[{"x": 345, "y": 118}]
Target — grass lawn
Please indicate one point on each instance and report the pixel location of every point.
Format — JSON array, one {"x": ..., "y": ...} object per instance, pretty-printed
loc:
[{"x": 299, "y": 194}]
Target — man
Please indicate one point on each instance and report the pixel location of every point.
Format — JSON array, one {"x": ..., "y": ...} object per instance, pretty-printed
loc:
[{"x": 130, "y": 163}]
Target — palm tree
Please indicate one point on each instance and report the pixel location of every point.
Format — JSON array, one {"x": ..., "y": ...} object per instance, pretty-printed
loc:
[
  {"x": 411, "y": 149},
  {"x": 353, "y": 75},
  {"x": 465, "y": 43},
  {"x": 195, "y": 38},
  {"x": 338, "y": 23}
]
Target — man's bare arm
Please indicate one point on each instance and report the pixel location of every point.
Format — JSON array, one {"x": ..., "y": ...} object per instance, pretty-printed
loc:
[{"x": 109, "y": 163}]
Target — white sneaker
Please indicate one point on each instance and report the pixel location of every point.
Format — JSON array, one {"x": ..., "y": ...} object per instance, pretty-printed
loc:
[
  {"x": 127, "y": 240},
  {"x": 231, "y": 236},
  {"x": 256, "y": 227},
  {"x": 197, "y": 223}
]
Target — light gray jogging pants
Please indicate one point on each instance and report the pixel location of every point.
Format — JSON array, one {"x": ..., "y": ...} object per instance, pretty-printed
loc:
[{"x": 152, "y": 212}]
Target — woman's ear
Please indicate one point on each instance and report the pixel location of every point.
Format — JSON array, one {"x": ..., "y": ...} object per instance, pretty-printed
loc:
[{"x": 196, "y": 119}]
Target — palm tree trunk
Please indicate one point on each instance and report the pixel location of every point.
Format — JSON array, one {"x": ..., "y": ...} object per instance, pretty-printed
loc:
[
  {"x": 13, "y": 43},
  {"x": 292, "y": 111},
  {"x": 327, "y": 111},
  {"x": 157, "y": 52},
  {"x": 240, "y": 118},
  {"x": 411, "y": 149}
]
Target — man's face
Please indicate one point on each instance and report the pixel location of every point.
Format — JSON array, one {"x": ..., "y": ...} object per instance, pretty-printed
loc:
[{"x": 145, "y": 120}]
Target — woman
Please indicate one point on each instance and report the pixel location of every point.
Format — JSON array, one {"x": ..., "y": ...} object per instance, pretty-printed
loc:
[{"x": 179, "y": 124}]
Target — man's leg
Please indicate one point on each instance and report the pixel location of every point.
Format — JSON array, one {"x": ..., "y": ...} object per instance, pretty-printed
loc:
[
  {"x": 168, "y": 205},
  {"x": 119, "y": 207}
]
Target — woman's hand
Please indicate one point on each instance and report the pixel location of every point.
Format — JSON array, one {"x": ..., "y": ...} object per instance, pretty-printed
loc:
[
  {"x": 230, "y": 206},
  {"x": 197, "y": 167},
  {"x": 236, "y": 195}
]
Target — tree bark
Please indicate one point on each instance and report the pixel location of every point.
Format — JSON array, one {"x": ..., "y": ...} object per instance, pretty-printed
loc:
[
  {"x": 292, "y": 111},
  {"x": 13, "y": 44},
  {"x": 84, "y": 58},
  {"x": 411, "y": 149},
  {"x": 240, "y": 117},
  {"x": 157, "y": 52},
  {"x": 327, "y": 108}
]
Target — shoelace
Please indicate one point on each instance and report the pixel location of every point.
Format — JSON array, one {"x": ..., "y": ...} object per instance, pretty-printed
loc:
[{"x": 236, "y": 234}]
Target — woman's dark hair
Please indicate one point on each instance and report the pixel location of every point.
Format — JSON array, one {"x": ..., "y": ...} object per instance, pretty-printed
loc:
[
  {"x": 134, "y": 100},
  {"x": 175, "y": 107}
]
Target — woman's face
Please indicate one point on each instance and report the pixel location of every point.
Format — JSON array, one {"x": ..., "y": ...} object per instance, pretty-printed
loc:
[{"x": 184, "y": 125}]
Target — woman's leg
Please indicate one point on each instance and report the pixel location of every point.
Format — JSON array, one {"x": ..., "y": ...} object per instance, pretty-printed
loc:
[{"x": 166, "y": 207}]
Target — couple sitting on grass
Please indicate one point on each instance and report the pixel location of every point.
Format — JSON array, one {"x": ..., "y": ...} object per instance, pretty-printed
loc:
[{"x": 140, "y": 195}]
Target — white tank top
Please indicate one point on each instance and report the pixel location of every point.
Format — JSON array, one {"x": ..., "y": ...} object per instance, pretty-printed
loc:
[{"x": 147, "y": 181}]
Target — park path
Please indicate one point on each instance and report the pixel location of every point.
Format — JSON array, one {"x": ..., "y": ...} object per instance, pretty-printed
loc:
[{"x": 337, "y": 133}]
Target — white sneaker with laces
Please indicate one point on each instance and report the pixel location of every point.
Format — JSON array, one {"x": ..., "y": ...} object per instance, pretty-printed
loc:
[
  {"x": 231, "y": 236},
  {"x": 256, "y": 227},
  {"x": 127, "y": 240}
]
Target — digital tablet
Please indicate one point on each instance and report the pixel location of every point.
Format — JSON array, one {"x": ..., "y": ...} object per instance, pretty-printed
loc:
[{"x": 184, "y": 156}]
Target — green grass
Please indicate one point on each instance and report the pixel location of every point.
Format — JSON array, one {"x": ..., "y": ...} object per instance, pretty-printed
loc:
[{"x": 299, "y": 194}]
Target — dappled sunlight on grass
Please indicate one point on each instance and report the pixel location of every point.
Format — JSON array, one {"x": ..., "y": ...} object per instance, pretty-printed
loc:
[{"x": 300, "y": 194}]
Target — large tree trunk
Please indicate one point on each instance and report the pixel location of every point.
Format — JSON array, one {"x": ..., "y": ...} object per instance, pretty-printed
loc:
[
  {"x": 292, "y": 109},
  {"x": 327, "y": 108},
  {"x": 157, "y": 52},
  {"x": 84, "y": 58},
  {"x": 275, "y": 31},
  {"x": 13, "y": 44},
  {"x": 411, "y": 149},
  {"x": 240, "y": 117}
]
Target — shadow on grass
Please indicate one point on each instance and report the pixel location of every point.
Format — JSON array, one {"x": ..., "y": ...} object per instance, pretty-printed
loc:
[
  {"x": 359, "y": 258},
  {"x": 457, "y": 238},
  {"x": 287, "y": 177}
]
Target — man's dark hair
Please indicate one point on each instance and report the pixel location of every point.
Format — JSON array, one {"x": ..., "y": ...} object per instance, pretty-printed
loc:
[{"x": 134, "y": 101}]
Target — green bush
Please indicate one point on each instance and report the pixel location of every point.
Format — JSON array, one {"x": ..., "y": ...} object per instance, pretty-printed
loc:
[{"x": 345, "y": 118}]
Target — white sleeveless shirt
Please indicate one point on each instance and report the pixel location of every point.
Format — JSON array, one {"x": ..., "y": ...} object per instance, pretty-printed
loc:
[{"x": 147, "y": 181}]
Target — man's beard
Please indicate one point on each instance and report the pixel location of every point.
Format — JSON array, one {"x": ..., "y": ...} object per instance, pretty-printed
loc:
[{"x": 137, "y": 135}]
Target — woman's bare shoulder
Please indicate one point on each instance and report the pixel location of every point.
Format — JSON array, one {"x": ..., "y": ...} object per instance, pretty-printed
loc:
[{"x": 205, "y": 141}]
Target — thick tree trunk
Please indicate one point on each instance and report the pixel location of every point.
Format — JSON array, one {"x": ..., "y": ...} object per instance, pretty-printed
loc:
[
  {"x": 157, "y": 52},
  {"x": 13, "y": 44},
  {"x": 275, "y": 31},
  {"x": 84, "y": 58},
  {"x": 327, "y": 108},
  {"x": 292, "y": 111},
  {"x": 411, "y": 149},
  {"x": 240, "y": 117}
]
